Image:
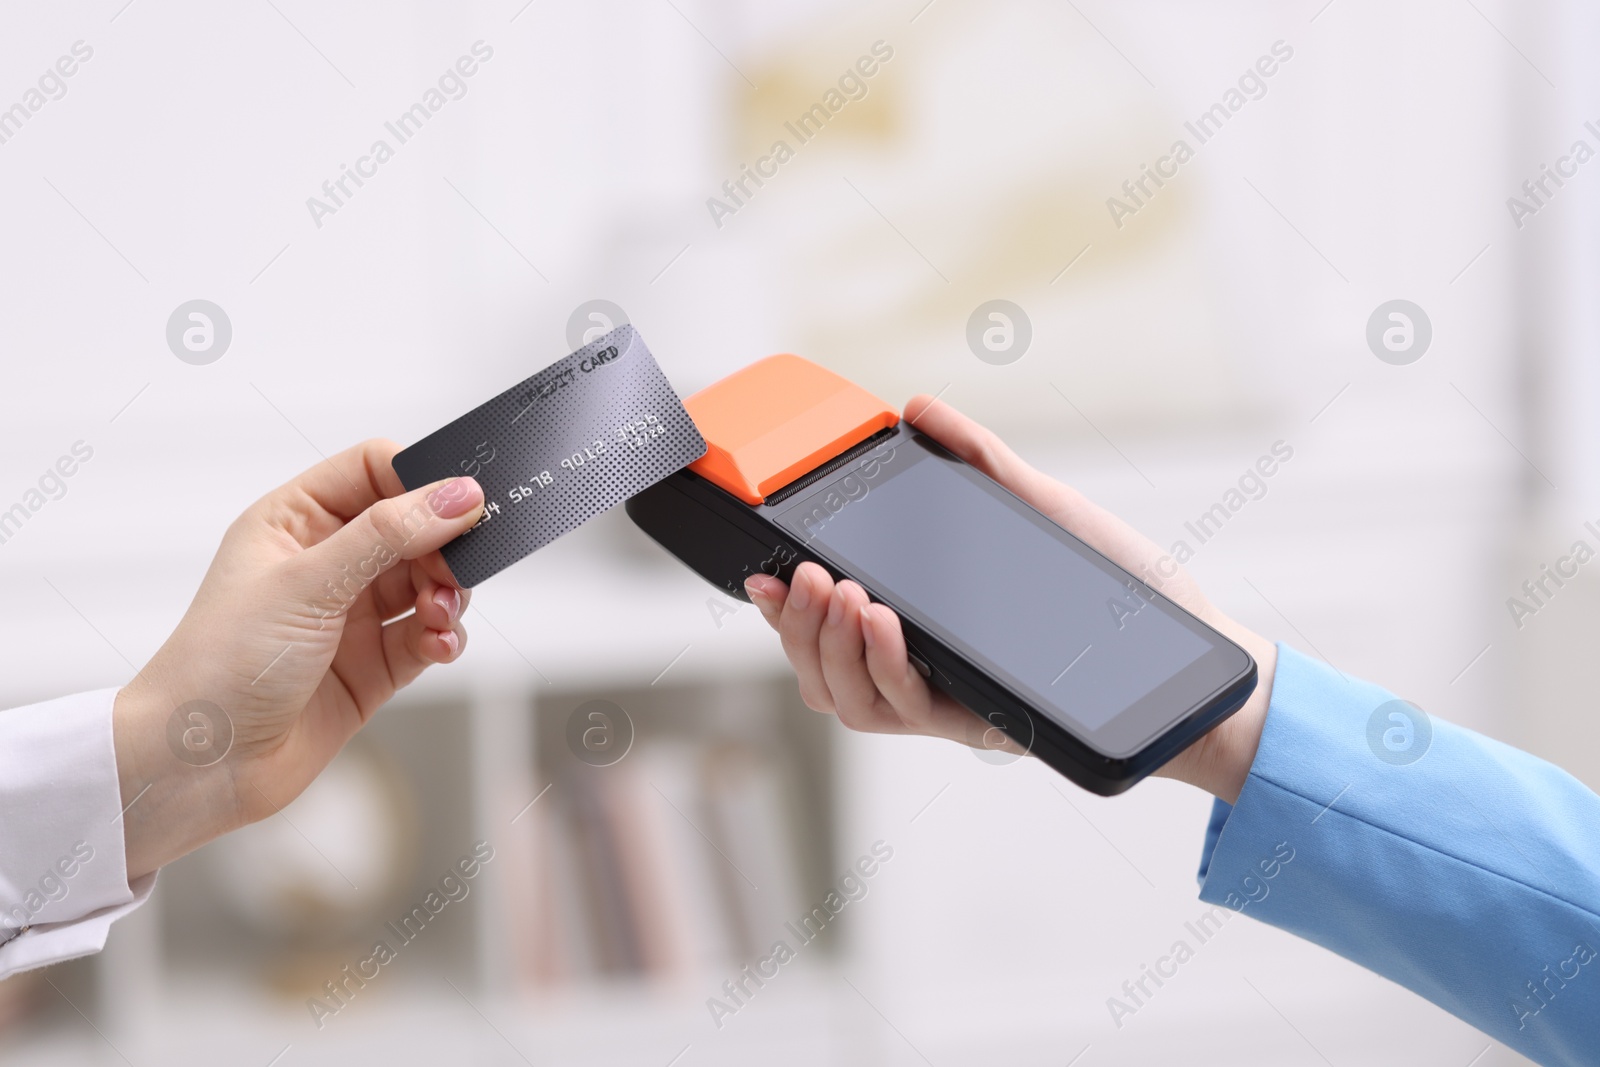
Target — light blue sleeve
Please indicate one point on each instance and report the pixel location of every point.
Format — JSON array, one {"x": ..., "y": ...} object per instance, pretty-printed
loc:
[{"x": 1459, "y": 867}]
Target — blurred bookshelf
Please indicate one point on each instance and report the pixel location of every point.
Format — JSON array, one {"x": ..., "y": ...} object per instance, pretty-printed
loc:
[
  {"x": 656, "y": 876},
  {"x": 687, "y": 855}
]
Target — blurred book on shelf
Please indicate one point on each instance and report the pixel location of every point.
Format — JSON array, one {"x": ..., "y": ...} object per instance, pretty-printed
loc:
[
  {"x": 680, "y": 859},
  {"x": 685, "y": 855},
  {"x": 752, "y": 819}
]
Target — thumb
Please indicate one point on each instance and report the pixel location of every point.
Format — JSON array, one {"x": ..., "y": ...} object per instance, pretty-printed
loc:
[{"x": 404, "y": 527}]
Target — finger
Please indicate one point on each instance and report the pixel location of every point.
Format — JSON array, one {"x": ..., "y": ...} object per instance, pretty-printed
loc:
[
  {"x": 984, "y": 450},
  {"x": 314, "y": 504},
  {"x": 411, "y": 647},
  {"x": 844, "y": 665},
  {"x": 395, "y": 591},
  {"x": 440, "y": 606},
  {"x": 799, "y": 626},
  {"x": 920, "y": 708},
  {"x": 405, "y": 527},
  {"x": 410, "y": 587},
  {"x": 768, "y": 595},
  {"x": 434, "y": 566}
]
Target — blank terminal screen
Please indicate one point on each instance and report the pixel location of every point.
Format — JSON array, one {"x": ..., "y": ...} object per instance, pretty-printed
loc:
[{"x": 937, "y": 536}]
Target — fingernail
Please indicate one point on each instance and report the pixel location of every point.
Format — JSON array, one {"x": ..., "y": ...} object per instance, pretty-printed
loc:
[
  {"x": 866, "y": 627},
  {"x": 450, "y": 600},
  {"x": 451, "y": 642},
  {"x": 800, "y": 593},
  {"x": 455, "y": 498},
  {"x": 761, "y": 591}
]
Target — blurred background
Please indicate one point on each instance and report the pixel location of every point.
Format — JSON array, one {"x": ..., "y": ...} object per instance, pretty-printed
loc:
[{"x": 1153, "y": 348}]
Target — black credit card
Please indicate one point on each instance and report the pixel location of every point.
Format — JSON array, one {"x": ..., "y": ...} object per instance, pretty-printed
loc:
[{"x": 581, "y": 436}]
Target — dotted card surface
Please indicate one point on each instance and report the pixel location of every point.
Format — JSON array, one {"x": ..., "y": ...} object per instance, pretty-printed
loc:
[{"x": 575, "y": 439}]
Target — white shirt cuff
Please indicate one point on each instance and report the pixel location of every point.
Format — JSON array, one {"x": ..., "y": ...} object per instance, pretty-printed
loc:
[{"x": 63, "y": 862}]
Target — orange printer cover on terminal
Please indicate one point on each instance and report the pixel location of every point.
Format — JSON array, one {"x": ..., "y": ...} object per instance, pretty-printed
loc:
[{"x": 778, "y": 419}]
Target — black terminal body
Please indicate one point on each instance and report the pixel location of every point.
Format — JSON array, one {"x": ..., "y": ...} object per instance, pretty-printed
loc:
[{"x": 991, "y": 595}]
